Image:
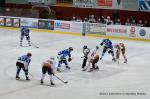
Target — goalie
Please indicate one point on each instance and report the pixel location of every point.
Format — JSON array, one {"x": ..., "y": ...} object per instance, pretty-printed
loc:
[{"x": 62, "y": 58}]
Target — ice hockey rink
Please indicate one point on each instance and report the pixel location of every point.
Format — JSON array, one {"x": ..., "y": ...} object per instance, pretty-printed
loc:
[{"x": 112, "y": 81}]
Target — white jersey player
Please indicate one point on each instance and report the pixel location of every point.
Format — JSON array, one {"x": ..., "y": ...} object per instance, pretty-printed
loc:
[
  {"x": 48, "y": 67},
  {"x": 121, "y": 48},
  {"x": 93, "y": 59}
]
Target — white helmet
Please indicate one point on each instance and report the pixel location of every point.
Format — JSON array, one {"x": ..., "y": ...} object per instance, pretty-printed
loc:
[{"x": 115, "y": 45}]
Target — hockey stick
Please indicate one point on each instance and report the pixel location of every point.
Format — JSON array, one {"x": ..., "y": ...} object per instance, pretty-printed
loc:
[
  {"x": 65, "y": 82},
  {"x": 30, "y": 74},
  {"x": 34, "y": 45}
]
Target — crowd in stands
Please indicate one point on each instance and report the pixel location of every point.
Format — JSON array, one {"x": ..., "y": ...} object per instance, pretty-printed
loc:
[{"x": 115, "y": 20}]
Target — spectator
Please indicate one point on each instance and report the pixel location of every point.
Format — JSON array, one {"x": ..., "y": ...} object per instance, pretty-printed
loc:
[
  {"x": 92, "y": 19},
  {"x": 118, "y": 22},
  {"x": 99, "y": 21},
  {"x": 146, "y": 23},
  {"x": 103, "y": 19},
  {"x": 78, "y": 19},
  {"x": 133, "y": 22},
  {"x": 86, "y": 19},
  {"x": 132, "y": 18},
  {"x": 140, "y": 23},
  {"x": 108, "y": 21},
  {"x": 115, "y": 16},
  {"x": 73, "y": 18},
  {"x": 128, "y": 23}
]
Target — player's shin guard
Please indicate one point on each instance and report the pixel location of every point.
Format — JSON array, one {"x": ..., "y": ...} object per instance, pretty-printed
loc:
[
  {"x": 125, "y": 61},
  {"x": 21, "y": 43},
  {"x": 67, "y": 67},
  {"x": 29, "y": 43},
  {"x": 58, "y": 68},
  {"x": 51, "y": 80},
  {"x": 17, "y": 73},
  {"x": 112, "y": 53},
  {"x": 102, "y": 56},
  {"x": 26, "y": 74},
  {"x": 42, "y": 78}
]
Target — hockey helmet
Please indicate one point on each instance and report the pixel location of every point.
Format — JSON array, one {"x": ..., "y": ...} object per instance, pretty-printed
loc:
[
  {"x": 97, "y": 47},
  {"x": 29, "y": 54},
  {"x": 70, "y": 49},
  {"x": 85, "y": 47}
]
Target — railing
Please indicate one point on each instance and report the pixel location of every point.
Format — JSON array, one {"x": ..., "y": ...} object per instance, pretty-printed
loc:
[
  {"x": 65, "y": 1},
  {"x": 120, "y": 31},
  {"x": 19, "y": 12},
  {"x": 37, "y": 12}
]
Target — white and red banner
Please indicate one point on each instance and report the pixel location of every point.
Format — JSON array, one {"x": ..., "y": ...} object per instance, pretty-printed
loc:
[
  {"x": 96, "y": 28},
  {"x": 30, "y": 22},
  {"x": 116, "y": 30},
  {"x": 68, "y": 26},
  {"x": 128, "y": 31},
  {"x": 132, "y": 31}
]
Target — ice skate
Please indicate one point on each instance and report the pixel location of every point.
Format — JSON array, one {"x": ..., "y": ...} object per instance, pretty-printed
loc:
[
  {"x": 96, "y": 68},
  {"x": 91, "y": 69},
  {"x": 67, "y": 67},
  {"x": 59, "y": 70},
  {"x": 52, "y": 83},
  {"x": 17, "y": 77},
  {"x": 27, "y": 78},
  {"x": 125, "y": 61},
  {"x": 42, "y": 81},
  {"x": 114, "y": 59}
]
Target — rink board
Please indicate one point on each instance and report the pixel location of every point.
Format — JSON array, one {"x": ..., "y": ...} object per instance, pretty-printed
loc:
[{"x": 77, "y": 34}]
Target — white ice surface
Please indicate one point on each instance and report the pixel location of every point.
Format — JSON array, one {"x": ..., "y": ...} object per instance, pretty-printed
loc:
[{"x": 133, "y": 77}]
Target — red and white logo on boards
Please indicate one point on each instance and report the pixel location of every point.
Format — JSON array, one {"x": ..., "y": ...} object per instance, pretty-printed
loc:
[{"x": 132, "y": 32}]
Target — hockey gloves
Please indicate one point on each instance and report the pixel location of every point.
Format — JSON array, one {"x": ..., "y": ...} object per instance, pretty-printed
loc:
[{"x": 69, "y": 59}]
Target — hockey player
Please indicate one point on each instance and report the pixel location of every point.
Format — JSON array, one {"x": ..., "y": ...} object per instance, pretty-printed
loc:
[
  {"x": 25, "y": 32},
  {"x": 107, "y": 47},
  {"x": 62, "y": 58},
  {"x": 86, "y": 51},
  {"x": 23, "y": 63},
  {"x": 120, "y": 49},
  {"x": 48, "y": 67},
  {"x": 93, "y": 59}
]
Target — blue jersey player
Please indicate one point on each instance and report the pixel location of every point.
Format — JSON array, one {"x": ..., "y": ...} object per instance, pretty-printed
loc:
[
  {"x": 23, "y": 63},
  {"x": 25, "y": 32},
  {"x": 62, "y": 57},
  {"x": 107, "y": 47}
]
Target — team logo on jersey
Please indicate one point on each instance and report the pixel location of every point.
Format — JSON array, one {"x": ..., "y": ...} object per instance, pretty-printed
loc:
[{"x": 142, "y": 32}]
